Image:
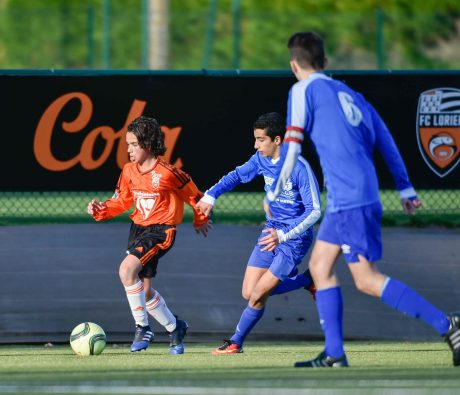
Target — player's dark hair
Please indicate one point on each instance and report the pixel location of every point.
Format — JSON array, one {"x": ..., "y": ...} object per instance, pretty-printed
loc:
[
  {"x": 149, "y": 135},
  {"x": 272, "y": 123},
  {"x": 307, "y": 49}
]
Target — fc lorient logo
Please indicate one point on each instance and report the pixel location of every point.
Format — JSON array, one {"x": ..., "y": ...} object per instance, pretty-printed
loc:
[{"x": 438, "y": 129}]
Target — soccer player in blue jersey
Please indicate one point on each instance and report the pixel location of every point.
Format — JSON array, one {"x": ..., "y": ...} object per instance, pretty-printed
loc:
[
  {"x": 346, "y": 130},
  {"x": 286, "y": 236}
]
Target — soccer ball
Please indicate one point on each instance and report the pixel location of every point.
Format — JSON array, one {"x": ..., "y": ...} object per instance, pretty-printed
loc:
[{"x": 87, "y": 338}]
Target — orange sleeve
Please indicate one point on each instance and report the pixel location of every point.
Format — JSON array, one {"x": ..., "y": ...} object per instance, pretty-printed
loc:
[
  {"x": 121, "y": 200},
  {"x": 190, "y": 194}
]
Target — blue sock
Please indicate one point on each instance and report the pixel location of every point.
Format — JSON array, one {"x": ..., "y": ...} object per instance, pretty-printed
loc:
[
  {"x": 290, "y": 284},
  {"x": 249, "y": 318},
  {"x": 402, "y": 298},
  {"x": 330, "y": 309}
]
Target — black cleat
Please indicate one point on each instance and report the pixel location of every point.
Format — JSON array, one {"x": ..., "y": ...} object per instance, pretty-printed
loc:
[
  {"x": 323, "y": 361},
  {"x": 452, "y": 337},
  {"x": 176, "y": 346}
]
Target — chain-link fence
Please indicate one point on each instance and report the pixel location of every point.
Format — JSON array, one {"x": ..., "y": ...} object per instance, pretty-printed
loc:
[{"x": 439, "y": 207}]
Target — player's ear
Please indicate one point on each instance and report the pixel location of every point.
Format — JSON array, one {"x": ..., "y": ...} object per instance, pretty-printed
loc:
[{"x": 294, "y": 67}]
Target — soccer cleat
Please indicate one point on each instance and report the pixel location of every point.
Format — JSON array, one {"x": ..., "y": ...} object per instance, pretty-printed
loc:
[
  {"x": 229, "y": 347},
  {"x": 312, "y": 287},
  {"x": 142, "y": 338},
  {"x": 324, "y": 361},
  {"x": 312, "y": 290},
  {"x": 452, "y": 337},
  {"x": 176, "y": 345}
]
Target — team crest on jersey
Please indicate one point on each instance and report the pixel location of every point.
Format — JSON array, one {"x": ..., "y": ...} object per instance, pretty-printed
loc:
[
  {"x": 268, "y": 181},
  {"x": 145, "y": 205},
  {"x": 438, "y": 129},
  {"x": 156, "y": 180}
]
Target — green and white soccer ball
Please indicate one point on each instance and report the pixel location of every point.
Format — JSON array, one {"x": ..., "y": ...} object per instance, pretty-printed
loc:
[{"x": 87, "y": 338}]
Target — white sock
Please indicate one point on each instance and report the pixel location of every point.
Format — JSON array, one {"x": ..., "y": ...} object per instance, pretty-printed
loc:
[
  {"x": 136, "y": 299},
  {"x": 157, "y": 308}
]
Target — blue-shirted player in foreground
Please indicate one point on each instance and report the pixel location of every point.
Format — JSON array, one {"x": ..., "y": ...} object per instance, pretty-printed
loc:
[
  {"x": 286, "y": 236},
  {"x": 346, "y": 130}
]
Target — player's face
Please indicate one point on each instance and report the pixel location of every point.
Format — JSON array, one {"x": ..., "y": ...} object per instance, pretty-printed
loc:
[
  {"x": 265, "y": 145},
  {"x": 137, "y": 154}
]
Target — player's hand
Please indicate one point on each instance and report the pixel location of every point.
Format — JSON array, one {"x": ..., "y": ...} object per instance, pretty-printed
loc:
[
  {"x": 205, "y": 228},
  {"x": 205, "y": 208},
  {"x": 94, "y": 207},
  {"x": 270, "y": 241},
  {"x": 410, "y": 205},
  {"x": 267, "y": 209}
]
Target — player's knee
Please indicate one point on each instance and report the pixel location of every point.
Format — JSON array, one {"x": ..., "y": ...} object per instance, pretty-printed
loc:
[
  {"x": 245, "y": 294},
  {"x": 257, "y": 299},
  {"x": 318, "y": 271},
  {"x": 367, "y": 286},
  {"x": 127, "y": 274}
]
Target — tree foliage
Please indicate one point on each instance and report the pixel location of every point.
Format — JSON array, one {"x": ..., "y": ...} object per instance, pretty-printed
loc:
[{"x": 417, "y": 34}]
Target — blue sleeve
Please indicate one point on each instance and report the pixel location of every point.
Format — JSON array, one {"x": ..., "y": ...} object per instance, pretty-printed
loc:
[
  {"x": 310, "y": 195},
  {"x": 386, "y": 145},
  {"x": 242, "y": 174},
  {"x": 290, "y": 152}
]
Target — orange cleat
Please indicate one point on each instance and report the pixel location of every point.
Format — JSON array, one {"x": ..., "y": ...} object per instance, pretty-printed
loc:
[{"x": 229, "y": 347}]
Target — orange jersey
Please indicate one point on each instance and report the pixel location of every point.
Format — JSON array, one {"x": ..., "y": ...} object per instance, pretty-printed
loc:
[{"x": 158, "y": 196}]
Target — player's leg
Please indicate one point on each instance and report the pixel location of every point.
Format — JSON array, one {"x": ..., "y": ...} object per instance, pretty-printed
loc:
[
  {"x": 366, "y": 247},
  {"x": 148, "y": 244},
  {"x": 156, "y": 242},
  {"x": 329, "y": 304},
  {"x": 157, "y": 308},
  {"x": 329, "y": 301},
  {"x": 134, "y": 287},
  {"x": 303, "y": 280},
  {"x": 258, "y": 265},
  {"x": 251, "y": 277},
  {"x": 406, "y": 300},
  {"x": 250, "y": 316},
  {"x": 397, "y": 295},
  {"x": 135, "y": 293},
  {"x": 281, "y": 265}
]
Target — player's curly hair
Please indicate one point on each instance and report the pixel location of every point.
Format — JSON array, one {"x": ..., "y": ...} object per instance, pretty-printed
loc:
[
  {"x": 307, "y": 48},
  {"x": 149, "y": 135},
  {"x": 273, "y": 124}
]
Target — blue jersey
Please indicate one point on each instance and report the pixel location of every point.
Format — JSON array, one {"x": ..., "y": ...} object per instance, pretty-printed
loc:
[
  {"x": 297, "y": 207},
  {"x": 345, "y": 130}
]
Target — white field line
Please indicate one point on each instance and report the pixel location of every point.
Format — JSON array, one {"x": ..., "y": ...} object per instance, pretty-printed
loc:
[{"x": 361, "y": 387}]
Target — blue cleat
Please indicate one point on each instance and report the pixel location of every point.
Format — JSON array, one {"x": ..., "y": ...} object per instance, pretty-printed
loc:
[
  {"x": 176, "y": 346},
  {"x": 142, "y": 338}
]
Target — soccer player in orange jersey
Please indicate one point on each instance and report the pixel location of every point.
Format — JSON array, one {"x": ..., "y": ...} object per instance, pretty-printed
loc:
[{"x": 158, "y": 191}]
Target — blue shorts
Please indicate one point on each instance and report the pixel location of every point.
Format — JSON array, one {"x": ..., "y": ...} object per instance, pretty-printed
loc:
[
  {"x": 357, "y": 231},
  {"x": 283, "y": 261}
]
